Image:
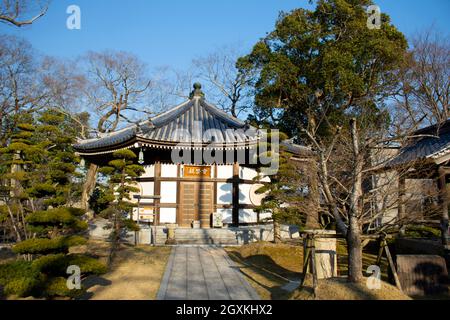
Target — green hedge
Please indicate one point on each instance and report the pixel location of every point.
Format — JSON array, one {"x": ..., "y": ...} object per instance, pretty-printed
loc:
[
  {"x": 19, "y": 278},
  {"x": 47, "y": 246},
  {"x": 57, "y": 264},
  {"x": 46, "y": 276},
  {"x": 68, "y": 217},
  {"x": 57, "y": 287},
  {"x": 423, "y": 232}
]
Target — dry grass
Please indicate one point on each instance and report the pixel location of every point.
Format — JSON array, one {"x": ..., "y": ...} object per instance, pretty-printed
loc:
[
  {"x": 269, "y": 267},
  {"x": 135, "y": 273},
  {"x": 340, "y": 289}
]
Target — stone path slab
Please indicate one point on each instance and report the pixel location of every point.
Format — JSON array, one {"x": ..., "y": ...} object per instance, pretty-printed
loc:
[{"x": 203, "y": 273}]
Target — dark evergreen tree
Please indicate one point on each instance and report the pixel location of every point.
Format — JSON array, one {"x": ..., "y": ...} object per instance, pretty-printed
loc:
[
  {"x": 40, "y": 165},
  {"x": 121, "y": 173}
]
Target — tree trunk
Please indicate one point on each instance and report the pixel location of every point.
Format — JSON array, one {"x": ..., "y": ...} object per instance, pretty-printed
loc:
[
  {"x": 312, "y": 217},
  {"x": 89, "y": 185},
  {"x": 354, "y": 251},
  {"x": 13, "y": 223},
  {"x": 354, "y": 228},
  {"x": 276, "y": 232}
]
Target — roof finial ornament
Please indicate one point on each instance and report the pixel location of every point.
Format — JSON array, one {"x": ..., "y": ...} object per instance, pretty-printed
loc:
[{"x": 197, "y": 92}]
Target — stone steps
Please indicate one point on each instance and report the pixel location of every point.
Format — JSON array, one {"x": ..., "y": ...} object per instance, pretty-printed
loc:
[
  {"x": 199, "y": 236},
  {"x": 205, "y": 236},
  {"x": 225, "y": 236}
]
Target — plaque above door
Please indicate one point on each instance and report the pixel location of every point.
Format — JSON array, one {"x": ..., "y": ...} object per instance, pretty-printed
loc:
[{"x": 197, "y": 172}]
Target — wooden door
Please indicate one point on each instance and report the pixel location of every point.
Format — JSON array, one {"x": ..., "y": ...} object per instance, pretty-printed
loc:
[{"x": 197, "y": 203}]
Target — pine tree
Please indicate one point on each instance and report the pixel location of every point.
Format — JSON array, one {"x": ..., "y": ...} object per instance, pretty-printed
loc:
[
  {"x": 40, "y": 165},
  {"x": 285, "y": 196},
  {"x": 122, "y": 173}
]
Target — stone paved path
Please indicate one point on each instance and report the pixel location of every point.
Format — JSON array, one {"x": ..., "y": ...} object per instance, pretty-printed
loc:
[{"x": 203, "y": 273}]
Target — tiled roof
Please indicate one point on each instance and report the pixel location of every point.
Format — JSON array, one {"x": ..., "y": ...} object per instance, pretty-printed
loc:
[
  {"x": 431, "y": 143},
  {"x": 193, "y": 122}
]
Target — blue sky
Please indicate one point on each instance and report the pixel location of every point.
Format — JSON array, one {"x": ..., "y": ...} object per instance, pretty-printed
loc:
[{"x": 173, "y": 32}]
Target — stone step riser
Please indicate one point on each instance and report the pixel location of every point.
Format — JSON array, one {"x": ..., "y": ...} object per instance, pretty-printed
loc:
[
  {"x": 208, "y": 234},
  {"x": 208, "y": 242},
  {"x": 204, "y": 236}
]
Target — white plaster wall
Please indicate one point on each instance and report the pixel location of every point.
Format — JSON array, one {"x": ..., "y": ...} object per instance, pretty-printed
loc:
[
  {"x": 247, "y": 173},
  {"x": 265, "y": 215},
  {"x": 225, "y": 172},
  {"x": 227, "y": 215},
  {"x": 147, "y": 188},
  {"x": 224, "y": 193},
  {"x": 168, "y": 215},
  {"x": 244, "y": 193},
  {"x": 247, "y": 216},
  {"x": 168, "y": 192},
  {"x": 169, "y": 171},
  {"x": 149, "y": 171}
]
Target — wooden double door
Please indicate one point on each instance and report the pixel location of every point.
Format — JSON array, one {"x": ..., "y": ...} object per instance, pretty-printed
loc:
[{"x": 196, "y": 203}]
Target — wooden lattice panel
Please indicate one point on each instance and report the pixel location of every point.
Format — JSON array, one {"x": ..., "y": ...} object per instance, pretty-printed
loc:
[{"x": 422, "y": 275}]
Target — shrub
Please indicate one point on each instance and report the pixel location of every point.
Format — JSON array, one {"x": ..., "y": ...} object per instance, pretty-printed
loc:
[
  {"x": 55, "y": 287},
  {"x": 47, "y": 246},
  {"x": 422, "y": 232},
  {"x": 42, "y": 221},
  {"x": 19, "y": 278},
  {"x": 57, "y": 264},
  {"x": 22, "y": 287}
]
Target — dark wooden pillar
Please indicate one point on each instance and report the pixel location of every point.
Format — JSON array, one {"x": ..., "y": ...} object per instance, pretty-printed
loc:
[
  {"x": 179, "y": 222},
  {"x": 236, "y": 194},
  {"x": 214, "y": 176},
  {"x": 444, "y": 197},
  {"x": 157, "y": 188},
  {"x": 401, "y": 201}
]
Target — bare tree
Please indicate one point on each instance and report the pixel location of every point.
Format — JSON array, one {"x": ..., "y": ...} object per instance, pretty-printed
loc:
[
  {"x": 20, "y": 86},
  {"x": 227, "y": 86},
  {"x": 63, "y": 83},
  {"x": 424, "y": 94},
  {"x": 358, "y": 194},
  {"x": 117, "y": 83},
  {"x": 22, "y": 12}
]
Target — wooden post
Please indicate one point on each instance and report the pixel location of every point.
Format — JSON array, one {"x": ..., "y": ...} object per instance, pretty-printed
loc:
[
  {"x": 313, "y": 266},
  {"x": 306, "y": 257},
  {"x": 392, "y": 265},
  {"x": 236, "y": 194},
  {"x": 157, "y": 189},
  {"x": 380, "y": 252},
  {"x": 401, "y": 201}
]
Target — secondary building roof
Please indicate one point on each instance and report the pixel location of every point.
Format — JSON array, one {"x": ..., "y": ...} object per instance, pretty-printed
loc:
[{"x": 428, "y": 144}]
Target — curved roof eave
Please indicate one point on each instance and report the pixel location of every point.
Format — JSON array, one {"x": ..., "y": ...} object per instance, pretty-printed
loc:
[{"x": 196, "y": 116}]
